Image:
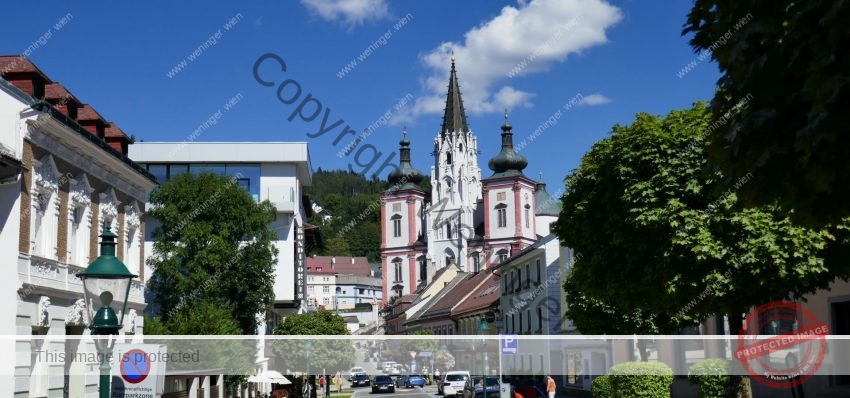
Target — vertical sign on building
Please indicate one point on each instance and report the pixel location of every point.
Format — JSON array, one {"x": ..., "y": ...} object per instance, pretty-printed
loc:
[{"x": 299, "y": 263}]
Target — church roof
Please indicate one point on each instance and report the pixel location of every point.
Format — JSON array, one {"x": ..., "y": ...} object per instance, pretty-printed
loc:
[
  {"x": 454, "y": 119},
  {"x": 508, "y": 162},
  {"x": 547, "y": 205},
  {"x": 405, "y": 176}
]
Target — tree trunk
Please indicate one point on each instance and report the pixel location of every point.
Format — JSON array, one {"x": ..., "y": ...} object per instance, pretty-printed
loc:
[
  {"x": 739, "y": 384},
  {"x": 644, "y": 355}
]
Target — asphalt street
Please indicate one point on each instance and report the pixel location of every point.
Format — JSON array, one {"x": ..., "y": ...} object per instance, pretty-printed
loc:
[{"x": 371, "y": 369}]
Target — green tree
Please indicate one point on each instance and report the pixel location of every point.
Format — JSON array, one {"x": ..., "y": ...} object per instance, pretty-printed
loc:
[
  {"x": 421, "y": 345},
  {"x": 214, "y": 243},
  {"x": 642, "y": 205},
  {"x": 337, "y": 246},
  {"x": 790, "y": 60},
  {"x": 331, "y": 355},
  {"x": 594, "y": 316}
]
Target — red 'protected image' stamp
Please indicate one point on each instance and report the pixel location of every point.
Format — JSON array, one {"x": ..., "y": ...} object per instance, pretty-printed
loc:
[{"x": 784, "y": 360}]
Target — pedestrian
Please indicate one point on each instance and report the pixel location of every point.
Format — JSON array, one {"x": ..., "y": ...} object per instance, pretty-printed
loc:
[
  {"x": 322, "y": 383},
  {"x": 550, "y": 386}
]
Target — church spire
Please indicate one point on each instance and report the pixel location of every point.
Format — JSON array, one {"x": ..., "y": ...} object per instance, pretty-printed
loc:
[{"x": 454, "y": 120}]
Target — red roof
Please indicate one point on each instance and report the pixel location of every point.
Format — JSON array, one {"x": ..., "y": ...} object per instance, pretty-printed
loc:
[
  {"x": 484, "y": 296},
  {"x": 58, "y": 92},
  {"x": 112, "y": 130},
  {"x": 358, "y": 266},
  {"x": 19, "y": 64},
  {"x": 86, "y": 112}
]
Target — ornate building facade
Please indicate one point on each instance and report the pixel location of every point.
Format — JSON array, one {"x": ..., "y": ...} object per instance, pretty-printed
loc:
[
  {"x": 468, "y": 221},
  {"x": 74, "y": 179}
]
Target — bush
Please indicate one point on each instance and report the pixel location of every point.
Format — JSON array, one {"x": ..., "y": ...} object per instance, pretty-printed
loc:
[
  {"x": 712, "y": 377},
  {"x": 641, "y": 380},
  {"x": 601, "y": 387}
]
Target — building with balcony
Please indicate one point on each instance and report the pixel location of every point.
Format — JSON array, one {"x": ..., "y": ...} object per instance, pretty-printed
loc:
[{"x": 64, "y": 177}]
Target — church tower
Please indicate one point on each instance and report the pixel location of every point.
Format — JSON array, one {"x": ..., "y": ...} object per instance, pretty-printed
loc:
[
  {"x": 509, "y": 202},
  {"x": 455, "y": 184},
  {"x": 403, "y": 241}
]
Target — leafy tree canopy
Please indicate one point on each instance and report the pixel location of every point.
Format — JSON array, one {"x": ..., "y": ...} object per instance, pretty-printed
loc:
[
  {"x": 331, "y": 355},
  {"x": 641, "y": 209},
  {"x": 421, "y": 345},
  {"x": 214, "y": 244},
  {"x": 790, "y": 59}
]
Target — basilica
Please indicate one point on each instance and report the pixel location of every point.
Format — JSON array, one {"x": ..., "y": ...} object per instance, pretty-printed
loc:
[{"x": 468, "y": 222}]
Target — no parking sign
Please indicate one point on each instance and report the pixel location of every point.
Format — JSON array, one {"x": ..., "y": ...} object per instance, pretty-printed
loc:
[{"x": 138, "y": 370}]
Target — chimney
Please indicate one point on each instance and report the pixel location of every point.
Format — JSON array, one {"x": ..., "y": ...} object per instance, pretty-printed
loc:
[
  {"x": 333, "y": 260},
  {"x": 352, "y": 260},
  {"x": 65, "y": 102},
  {"x": 116, "y": 138},
  {"x": 92, "y": 121},
  {"x": 24, "y": 75}
]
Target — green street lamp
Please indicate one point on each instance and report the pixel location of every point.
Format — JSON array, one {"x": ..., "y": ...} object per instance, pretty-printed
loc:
[
  {"x": 106, "y": 281},
  {"x": 484, "y": 329}
]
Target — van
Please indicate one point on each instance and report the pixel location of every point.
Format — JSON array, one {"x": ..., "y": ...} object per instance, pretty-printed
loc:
[{"x": 453, "y": 382}]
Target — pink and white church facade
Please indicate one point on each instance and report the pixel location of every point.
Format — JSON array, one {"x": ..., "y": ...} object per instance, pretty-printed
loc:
[{"x": 467, "y": 222}]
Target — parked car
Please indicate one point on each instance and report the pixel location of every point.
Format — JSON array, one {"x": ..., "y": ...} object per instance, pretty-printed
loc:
[
  {"x": 410, "y": 380},
  {"x": 353, "y": 371},
  {"x": 388, "y": 366},
  {"x": 360, "y": 379},
  {"x": 474, "y": 388},
  {"x": 382, "y": 383},
  {"x": 453, "y": 382},
  {"x": 396, "y": 369}
]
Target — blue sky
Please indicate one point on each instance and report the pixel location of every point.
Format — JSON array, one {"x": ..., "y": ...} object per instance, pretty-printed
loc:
[{"x": 622, "y": 57}]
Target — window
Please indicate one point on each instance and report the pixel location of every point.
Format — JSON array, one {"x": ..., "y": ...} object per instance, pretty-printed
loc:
[
  {"x": 326, "y": 279},
  {"x": 449, "y": 230},
  {"x": 326, "y": 300},
  {"x": 311, "y": 289},
  {"x": 423, "y": 269},
  {"x": 502, "y": 215},
  {"x": 78, "y": 238},
  {"x": 500, "y": 196},
  {"x": 361, "y": 291},
  {"x": 513, "y": 323},
  {"x": 528, "y": 315},
  {"x": 539, "y": 319},
  {"x": 397, "y": 269},
  {"x": 527, "y": 216},
  {"x": 538, "y": 270},
  {"x": 527, "y": 275},
  {"x": 503, "y": 256},
  {"x": 448, "y": 157},
  {"x": 520, "y": 321},
  {"x": 396, "y": 207},
  {"x": 326, "y": 289},
  {"x": 318, "y": 269},
  {"x": 476, "y": 262},
  {"x": 160, "y": 171},
  {"x": 396, "y": 226},
  {"x": 519, "y": 278}
]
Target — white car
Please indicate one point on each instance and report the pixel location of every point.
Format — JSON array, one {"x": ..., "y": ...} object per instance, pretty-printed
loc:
[
  {"x": 388, "y": 366},
  {"x": 453, "y": 382},
  {"x": 354, "y": 370},
  {"x": 396, "y": 369}
]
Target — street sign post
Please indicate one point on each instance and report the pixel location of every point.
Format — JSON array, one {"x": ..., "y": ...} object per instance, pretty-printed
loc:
[
  {"x": 141, "y": 369},
  {"x": 507, "y": 346}
]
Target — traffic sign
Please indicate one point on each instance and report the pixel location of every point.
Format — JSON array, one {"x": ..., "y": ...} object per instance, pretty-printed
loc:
[
  {"x": 412, "y": 354},
  {"x": 425, "y": 354},
  {"x": 509, "y": 344},
  {"x": 135, "y": 366}
]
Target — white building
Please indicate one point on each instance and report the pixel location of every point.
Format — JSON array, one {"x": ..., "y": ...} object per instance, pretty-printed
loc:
[
  {"x": 274, "y": 171},
  {"x": 344, "y": 284},
  {"x": 64, "y": 176}
]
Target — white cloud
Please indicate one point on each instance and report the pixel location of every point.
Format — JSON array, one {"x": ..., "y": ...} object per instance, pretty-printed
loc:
[
  {"x": 594, "y": 99},
  {"x": 495, "y": 47},
  {"x": 350, "y": 12}
]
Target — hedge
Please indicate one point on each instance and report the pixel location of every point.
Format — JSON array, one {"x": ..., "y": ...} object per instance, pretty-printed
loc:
[
  {"x": 712, "y": 377},
  {"x": 601, "y": 387},
  {"x": 641, "y": 380}
]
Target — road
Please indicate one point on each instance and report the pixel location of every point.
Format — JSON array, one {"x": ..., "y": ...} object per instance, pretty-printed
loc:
[{"x": 372, "y": 370}]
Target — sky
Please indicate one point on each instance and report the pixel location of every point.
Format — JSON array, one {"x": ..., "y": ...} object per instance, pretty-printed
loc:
[{"x": 610, "y": 59}]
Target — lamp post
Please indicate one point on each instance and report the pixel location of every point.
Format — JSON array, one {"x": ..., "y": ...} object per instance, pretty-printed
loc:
[
  {"x": 106, "y": 280},
  {"x": 308, "y": 388},
  {"x": 484, "y": 329}
]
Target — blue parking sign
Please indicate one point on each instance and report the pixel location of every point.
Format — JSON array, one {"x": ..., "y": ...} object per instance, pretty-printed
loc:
[{"x": 509, "y": 344}]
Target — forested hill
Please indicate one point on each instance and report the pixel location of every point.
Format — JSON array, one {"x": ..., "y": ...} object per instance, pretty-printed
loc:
[{"x": 346, "y": 196}]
